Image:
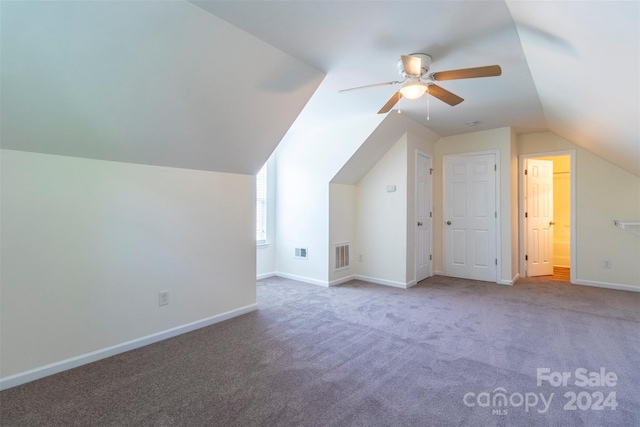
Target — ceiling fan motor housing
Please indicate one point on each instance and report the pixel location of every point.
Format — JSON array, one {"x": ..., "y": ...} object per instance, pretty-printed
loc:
[{"x": 425, "y": 64}]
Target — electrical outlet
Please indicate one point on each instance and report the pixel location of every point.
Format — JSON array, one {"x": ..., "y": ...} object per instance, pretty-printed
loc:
[
  {"x": 606, "y": 263},
  {"x": 163, "y": 298}
]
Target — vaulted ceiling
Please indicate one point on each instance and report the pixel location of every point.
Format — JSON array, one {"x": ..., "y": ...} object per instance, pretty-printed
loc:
[
  {"x": 215, "y": 85},
  {"x": 572, "y": 67}
]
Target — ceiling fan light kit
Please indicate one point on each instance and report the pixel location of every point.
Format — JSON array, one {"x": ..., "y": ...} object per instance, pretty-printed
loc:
[
  {"x": 417, "y": 80},
  {"x": 413, "y": 89}
]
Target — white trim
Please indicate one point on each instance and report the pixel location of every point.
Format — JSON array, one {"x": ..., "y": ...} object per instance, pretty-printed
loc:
[
  {"x": 94, "y": 356},
  {"x": 265, "y": 275},
  {"x": 618, "y": 286},
  {"x": 509, "y": 282},
  {"x": 342, "y": 280},
  {"x": 384, "y": 282},
  {"x": 304, "y": 279}
]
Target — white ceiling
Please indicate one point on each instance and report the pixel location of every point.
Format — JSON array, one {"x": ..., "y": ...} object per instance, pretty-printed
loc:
[
  {"x": 216, "y": 85},
  {"x": 571, "y": 67},
  {"x": 160, "y": 83}
]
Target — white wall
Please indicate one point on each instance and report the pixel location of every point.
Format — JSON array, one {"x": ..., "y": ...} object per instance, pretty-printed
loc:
[
  {"x": 88, "y": 244},
  {"x": 307, "y": 160},
  {"x": 502, "y": 140},
  {"x": 604, "y": 193},
  {"x": 381, "y": 225}
]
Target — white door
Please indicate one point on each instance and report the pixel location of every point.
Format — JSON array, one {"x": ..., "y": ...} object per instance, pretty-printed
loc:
[
  {"x": 423, "y": 217},
  {"x": 470, "y": 216},
  {"x": 539, "y": 217}
]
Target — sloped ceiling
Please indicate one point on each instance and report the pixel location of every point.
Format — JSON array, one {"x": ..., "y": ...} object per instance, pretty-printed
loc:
[
  {"x": 568, "y": 66},
  {"x": 215, "y": 85},
  {"x": 160, "y": 83},
  {"x": 584, "y": 58}
]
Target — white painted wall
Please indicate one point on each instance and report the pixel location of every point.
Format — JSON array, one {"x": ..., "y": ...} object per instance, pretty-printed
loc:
[
  {"x": 604, "y": 193},
  {"x": 88, "y": 244},
  {"x": 500, "y": 139},
  {"x": 381, "y": 225},
  {"x": 266, "y": 254},
  {"x": 307, "y": 160},
  {"x": 367, "y": 159}
]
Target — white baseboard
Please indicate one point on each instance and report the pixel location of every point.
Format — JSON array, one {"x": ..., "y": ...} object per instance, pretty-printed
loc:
[
  {"x": 342, "y": 280},
  {"x": 265, "y": 275},
  {"x": 384, "y": 282},
  {"x": 347, "y": 279},
  {"x": 509, "y": 282},
  {"x": 94, "y": 356},
  {"x": 304, "y": 279},
  {"x": 618, "y": 286}
]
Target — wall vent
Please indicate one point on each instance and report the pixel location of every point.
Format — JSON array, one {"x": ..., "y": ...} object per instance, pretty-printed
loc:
[
  {"x": 342, "y": 256},
  {"x": 301, "y": 253}
]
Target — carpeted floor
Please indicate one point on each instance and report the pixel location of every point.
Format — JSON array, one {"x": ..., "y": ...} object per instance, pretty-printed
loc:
[{"x": 442, "y": 353}]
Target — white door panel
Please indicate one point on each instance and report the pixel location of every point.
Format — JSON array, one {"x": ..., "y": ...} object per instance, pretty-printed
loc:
[
  {"x": 470, "y": 230},
  {"x": 539, "y": 217},
  {"x": 423, "y": 217}
]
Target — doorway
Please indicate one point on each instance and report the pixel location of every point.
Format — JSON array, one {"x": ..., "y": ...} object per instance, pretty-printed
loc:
[
  {"x": 547, "y": 206},
  {"x": 470, "y": 201}
]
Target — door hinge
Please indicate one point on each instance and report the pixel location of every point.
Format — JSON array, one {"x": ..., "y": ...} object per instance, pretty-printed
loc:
[
  {"x": 496, "y": 261},
  {"x": 526, "y": 215},
  {"x": 495, "y": 167},
  {"x": 525, "y": 172},
  {"x": 526, "y": 257},
  {"x": 430, "y": 257},
  {"x": 430, "y": 214},
  {"x": 495, "y": 214},
  {"x": 431, "y": 171}
]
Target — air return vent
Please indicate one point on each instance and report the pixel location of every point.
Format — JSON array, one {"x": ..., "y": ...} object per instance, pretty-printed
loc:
[
  {"x": 342, "y": 256},
  {"x": 301, "y": 253}
]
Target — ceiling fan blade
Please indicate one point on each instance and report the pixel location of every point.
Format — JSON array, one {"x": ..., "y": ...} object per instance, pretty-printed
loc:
[
  {"x": 444, "y": 95},
  {"x": 468, "y": 73},
  {"x": 390, "y": 103},
  {"x": 411, "y": 64},
  {"x": 367, "y": 86}
]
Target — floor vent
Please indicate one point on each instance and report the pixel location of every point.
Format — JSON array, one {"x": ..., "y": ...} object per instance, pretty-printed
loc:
[
  {"x": 342, "y": 256},
  {"x": 301, "y": 253}
]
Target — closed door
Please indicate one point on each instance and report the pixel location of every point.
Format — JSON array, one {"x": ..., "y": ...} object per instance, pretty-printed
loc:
[
  {"x": 539, "y": 217},
  {"x": 423, "y": 217},
  {"x": 470, "y": 215}
]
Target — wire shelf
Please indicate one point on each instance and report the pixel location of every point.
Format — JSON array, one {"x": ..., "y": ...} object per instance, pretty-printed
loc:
[{"x": 628, "y": 225}]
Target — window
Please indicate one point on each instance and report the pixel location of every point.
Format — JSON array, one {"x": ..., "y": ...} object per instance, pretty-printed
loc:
[{"x": 261, "y": 206}]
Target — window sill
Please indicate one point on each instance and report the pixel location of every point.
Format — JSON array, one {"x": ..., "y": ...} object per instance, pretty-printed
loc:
[{"x": 262, "y": 243}]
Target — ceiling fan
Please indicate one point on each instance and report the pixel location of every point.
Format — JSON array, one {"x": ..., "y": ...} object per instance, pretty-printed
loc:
[{"x": 417, "y": 80}]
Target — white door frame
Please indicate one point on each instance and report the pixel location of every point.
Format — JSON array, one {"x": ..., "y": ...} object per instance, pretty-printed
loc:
[
  {"x": 522, "y": 208},
  {"x": 430, "y": 201},
  {"x": 496, "y": 152}
]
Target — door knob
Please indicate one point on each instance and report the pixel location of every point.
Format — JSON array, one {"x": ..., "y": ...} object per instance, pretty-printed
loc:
[
  {"x": 551, "y": 223},
  {"x": 448, "y": 222},
  {"x": 419, "y": 224}
]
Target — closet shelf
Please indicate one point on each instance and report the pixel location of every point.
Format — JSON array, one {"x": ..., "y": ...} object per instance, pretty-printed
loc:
[{"x": 628, "y": 225}]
